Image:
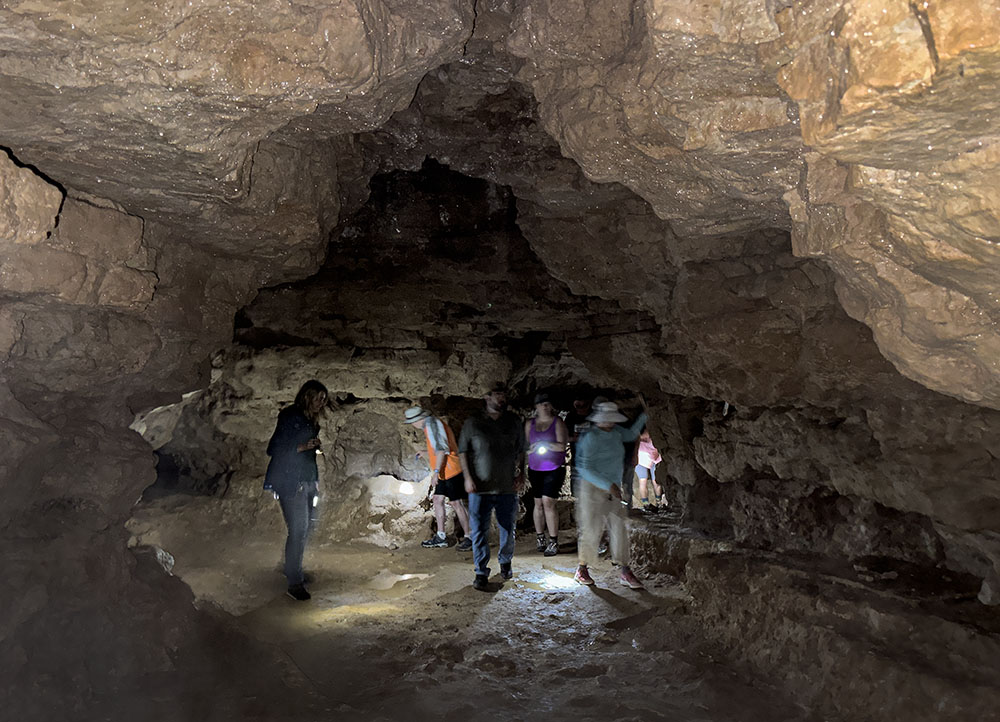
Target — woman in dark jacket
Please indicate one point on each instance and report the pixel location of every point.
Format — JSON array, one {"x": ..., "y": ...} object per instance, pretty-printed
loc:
[{"x": 293, "y": 477}]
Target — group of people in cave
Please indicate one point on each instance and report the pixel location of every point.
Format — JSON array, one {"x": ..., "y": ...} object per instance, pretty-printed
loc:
[{"x": 496, "y": 457}]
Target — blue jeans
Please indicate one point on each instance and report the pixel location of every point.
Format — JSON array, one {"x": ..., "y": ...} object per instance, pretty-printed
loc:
[
  {"x": 299, "y": 510},
  {"x": 480, "y": 506}
]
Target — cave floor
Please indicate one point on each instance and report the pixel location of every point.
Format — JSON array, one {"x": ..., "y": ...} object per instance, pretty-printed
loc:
[{"x": 401, "y": 634}]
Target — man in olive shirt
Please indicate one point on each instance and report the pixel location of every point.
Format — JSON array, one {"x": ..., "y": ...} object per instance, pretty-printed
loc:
[{"x": 491, "y": 448}]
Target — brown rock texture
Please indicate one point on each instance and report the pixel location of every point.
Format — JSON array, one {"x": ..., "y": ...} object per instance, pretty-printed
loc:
[{"x": 698, "y": 199}]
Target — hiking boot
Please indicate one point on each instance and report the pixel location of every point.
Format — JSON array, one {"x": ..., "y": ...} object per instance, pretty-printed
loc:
[
  {"x": 552, "y": 548},
  {"x": 481, "y": 583},
  {"x": 650, "y": 508},
  {"x": 464, "y": 545},
  {"x": 299, "y": 593},
  {"x": 540, "y": 543},
  {"x": 628, "y": 579},
  {"x": 583, "y": 576},
  {"x": 506, "y": 572},
  {"x": 436, "y": 541}
]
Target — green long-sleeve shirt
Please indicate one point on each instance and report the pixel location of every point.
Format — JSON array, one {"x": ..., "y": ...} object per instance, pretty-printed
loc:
[{"x": 601, "y": 454}]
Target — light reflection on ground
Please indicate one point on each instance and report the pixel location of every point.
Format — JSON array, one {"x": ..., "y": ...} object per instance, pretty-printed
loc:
[
  {"x": 387, "y": 580},
  {"x": 392, "y": 635}
]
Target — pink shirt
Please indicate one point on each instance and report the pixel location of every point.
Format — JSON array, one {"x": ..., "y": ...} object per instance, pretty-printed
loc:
[{"x": 648, "y": 455}]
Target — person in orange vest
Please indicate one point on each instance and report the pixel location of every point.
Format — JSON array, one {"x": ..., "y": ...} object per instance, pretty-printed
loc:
[{"x": 442, "y": 455}]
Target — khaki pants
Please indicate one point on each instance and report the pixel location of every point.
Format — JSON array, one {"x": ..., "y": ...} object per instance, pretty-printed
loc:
[{"x": 594, "y": 507}]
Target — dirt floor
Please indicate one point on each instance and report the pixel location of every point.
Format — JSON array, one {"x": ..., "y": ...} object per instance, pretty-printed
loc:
[{"x": 401, "y": 635}]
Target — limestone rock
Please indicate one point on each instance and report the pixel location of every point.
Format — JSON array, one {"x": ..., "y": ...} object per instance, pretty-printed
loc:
[
  {"x": 169, "y": 102},
  {"x": 28, "y": 205},
  {"x": 914, "y": 247}
]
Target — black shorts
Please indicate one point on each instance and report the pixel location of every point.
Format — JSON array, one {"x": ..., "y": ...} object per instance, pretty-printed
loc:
[
  {"x": 453, "y": 488},
  {"x": 547, "y": 483}
]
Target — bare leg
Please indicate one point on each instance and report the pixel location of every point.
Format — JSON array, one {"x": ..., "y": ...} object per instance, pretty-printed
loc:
[
  {"x": 539, "y": 516},
  {"x": 644, "y": 488},
  {"x": 551, "y": 515},
  {"x": 440, "y": 512},
  {"x": 461, "y": 514}
]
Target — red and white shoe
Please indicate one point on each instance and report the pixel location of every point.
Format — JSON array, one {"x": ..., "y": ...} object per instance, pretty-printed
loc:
[
  {"x": 583, "y": 576},
  {"x": 628, "y": 579}
]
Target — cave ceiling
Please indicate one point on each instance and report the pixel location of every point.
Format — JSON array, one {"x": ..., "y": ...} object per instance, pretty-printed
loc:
[{"x": 240, "y": 135}]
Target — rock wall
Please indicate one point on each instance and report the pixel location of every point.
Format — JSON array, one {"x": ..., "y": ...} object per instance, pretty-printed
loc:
[
  {"x": 164, "y": 162},
  {"x": 704, "y": 109}
]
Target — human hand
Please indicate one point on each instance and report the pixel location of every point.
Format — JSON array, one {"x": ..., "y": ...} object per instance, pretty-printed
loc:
[
  {"x": 470, "y": 485},
  {"x": 310, "y": 445},
  {"x": 642, "y": 401}
]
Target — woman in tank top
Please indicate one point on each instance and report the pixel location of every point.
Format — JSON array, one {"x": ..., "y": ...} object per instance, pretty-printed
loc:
[{"x": 546, "y": 434}]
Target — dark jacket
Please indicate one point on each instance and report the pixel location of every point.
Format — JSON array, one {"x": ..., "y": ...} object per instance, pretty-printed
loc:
[{"x": 289, "y": 467}]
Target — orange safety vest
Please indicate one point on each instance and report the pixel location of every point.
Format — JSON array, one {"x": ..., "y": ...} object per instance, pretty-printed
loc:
[{"x": 453, "y": 466}]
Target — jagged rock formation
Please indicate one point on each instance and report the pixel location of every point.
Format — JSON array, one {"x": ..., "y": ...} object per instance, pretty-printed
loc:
[{"x": 700, "y": 192}]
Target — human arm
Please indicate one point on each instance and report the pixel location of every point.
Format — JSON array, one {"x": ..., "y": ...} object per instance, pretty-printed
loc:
[
  {"x": 521, "y": 459},
  {"x": 292, "y": 431},
  {"x": 464, "y": 445},
  {"x": 519, "y": 472},
  {"x": 309, "y": 445},
  {"x": 434, "y": 428},
  {"x": 562, "y": 435},
  {"x": 632, "y": 431},
  {"x": 470, "y": 482}
]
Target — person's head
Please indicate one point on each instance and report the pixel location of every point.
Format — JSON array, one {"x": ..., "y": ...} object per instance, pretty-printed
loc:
[
  {"x": 496, "y": 398},
  {"x": 606, "y": 415},
  {"x": 543, "y": 405},
  {"x": 312, "y": 398},
  {"x": 582, "y": 405},
  {"x": 416, "y": 415},
  {"x": 644, "y": 436}
]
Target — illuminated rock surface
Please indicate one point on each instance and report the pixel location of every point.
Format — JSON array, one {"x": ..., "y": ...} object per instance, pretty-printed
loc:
[{"x": 779, "y": 221}]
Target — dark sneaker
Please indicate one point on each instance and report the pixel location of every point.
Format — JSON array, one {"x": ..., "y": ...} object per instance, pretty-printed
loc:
[
  {"x": 540, "y": 542},
  {"x": 506, "y": 572},
  {"x": 481, "y": 583},
  {"x": 465, "y": 545},
  {"x": 583, "y": 576},
  {"x": 628, "y": 579},
  {"x": 435, "y": 542},
  {"x": 299, "y": 593},
  {"x": 552, "y": 548}
]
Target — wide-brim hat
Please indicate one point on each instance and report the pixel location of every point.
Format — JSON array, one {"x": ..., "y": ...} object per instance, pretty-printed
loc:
[
  {"x": 607, "y": 412},
  {"x": 414, "y": 414}
]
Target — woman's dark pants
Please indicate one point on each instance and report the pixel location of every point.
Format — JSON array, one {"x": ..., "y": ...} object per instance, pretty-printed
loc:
[{"x": 299, "y": 511}]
